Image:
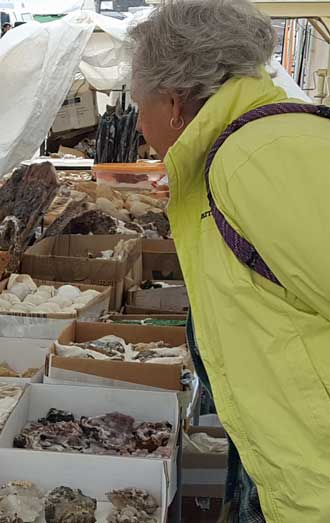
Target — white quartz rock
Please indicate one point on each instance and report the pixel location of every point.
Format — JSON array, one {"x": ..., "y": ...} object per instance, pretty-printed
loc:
[
  {"x": 11, "y": 298},
  {"x": 48, "y": 307},
  {"x": 21, "y": 499},
  {"x": 21, "y": 290},
  {"x": 90, "y": 292},
  {"x": 34, "y": 299},
  {"x": 68, "y": 292},
  {"x": 21, "y": 278},
  {"x": 62, "y": 302},
  {"x": 79, "y": 306},
  {"x": 4, "y": 305},
  {"x": 47, "y": 289},
  {"x": 23, "y": 307}
]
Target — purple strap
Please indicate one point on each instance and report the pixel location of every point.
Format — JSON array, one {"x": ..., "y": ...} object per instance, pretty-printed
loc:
[{"x": 242, "y": 249}]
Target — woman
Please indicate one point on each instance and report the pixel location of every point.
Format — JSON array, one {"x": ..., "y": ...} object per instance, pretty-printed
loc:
[{"x": 261, "y": 316}]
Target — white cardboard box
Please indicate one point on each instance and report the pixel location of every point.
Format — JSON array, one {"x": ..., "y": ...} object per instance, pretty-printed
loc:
[
  {"x": 49, "y": 326},
  {"x": 23, "y": 354},
  {"x": 94, "y": 475},
  {"x": 37, "y": 399}
]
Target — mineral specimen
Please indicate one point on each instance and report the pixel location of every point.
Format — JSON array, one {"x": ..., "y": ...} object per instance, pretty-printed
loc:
[
  {"x": 25, "y": 297},
  {"x": 9, "y": 396},
  {"x": 132, "y": 505},
  {"x": 130, "y": 515},
  {"x": 55, "y": 415},
  {"x": 5, "y": 518},
  {"x": 113, "y": 433},
  {"x": 112, "y": 346},
  {"x": 24, "y": 198},
  {"x": 91, "y": 221},
  {"x": 65, "y": 505},
  {"x": 151, "y": 436},
  {"x": 140, "y": 499},
  {"x": 20, "y": 502},
  {"x": 155, "y": 221}
]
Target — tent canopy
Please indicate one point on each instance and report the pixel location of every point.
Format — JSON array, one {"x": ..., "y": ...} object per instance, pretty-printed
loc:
[
  {"x": 295, "y": 8},
  {"x": 44, "y": 58},
  {"x": 288, "y": 8},
  {"x": 316, "y": 10},
  {"x": 53, "y": 7}
]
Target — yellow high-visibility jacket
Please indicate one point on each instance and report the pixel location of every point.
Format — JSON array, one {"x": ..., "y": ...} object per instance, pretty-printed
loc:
[{"x": 266, "y": 349}]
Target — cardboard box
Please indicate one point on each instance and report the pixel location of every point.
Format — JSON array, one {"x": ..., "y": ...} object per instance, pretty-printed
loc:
[
  {"x": 143, "y": 406},
  {"x": 116, "y": 373},
  {"x": 142, "y": 318},
  {"x": 79, "y": 110},
  {"x": 204, "y": 474},
  {"x": 173, "y": 299},
  {"x": 93, "y": 475},
  {"x": 64, "y": 151},
  {"x": 160, "y": 260},
  {"x": 49, "y": 326},
  {"x": 130, "y": 310},
  {"x": 23, "y": 354},
  {"x": 66, "y": 258}
]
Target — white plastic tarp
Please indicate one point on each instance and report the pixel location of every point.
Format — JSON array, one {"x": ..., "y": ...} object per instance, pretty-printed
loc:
[
  {"x": 52, "y": 7},
  {"x": 284, "y": 80},
  {"x": 38, "y": 63}
]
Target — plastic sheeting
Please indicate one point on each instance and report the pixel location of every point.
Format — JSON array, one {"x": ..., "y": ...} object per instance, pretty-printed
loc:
[
  {"x": 284, "y": 80},
  {"x": 53, "y": 7},
  {"x": 38, "y": 63}
]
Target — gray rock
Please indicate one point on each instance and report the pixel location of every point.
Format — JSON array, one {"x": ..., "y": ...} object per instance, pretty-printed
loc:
[{"x": 65, "y": 505}]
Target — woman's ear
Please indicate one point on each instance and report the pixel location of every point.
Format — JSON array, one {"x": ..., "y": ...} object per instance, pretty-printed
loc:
[{"x": 177, "y": 107}]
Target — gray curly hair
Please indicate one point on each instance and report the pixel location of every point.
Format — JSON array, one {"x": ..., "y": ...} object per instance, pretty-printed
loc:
[{"x": 194, "y": 46}]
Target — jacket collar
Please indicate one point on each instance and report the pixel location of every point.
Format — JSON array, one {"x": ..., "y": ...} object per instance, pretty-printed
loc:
[{"x": 237, "y": 96}]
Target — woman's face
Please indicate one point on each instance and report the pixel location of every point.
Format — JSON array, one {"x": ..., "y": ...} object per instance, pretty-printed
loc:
[{"x": 159, "y": 114}]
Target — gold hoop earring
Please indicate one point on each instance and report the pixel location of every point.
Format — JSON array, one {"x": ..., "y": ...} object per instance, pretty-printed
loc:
[{"x": 179, "y": 127}]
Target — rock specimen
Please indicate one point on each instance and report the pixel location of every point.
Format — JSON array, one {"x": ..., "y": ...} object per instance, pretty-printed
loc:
[
  {"x": 20, "y": 502},
  {"x": 150, "y": 436},
  {"x": 9, "y": 396},
  {"x": 55, "y": 416},
  {"x": 5, "y": 518},
  {"x": 114, "y": 348},
  {"x": 74, "y": 209},
  {"x": 130, "y": 515},
  {"x": 24, "y": 199},
  {"x": 114, "y": 433},
  {"x": 132, "y": 506},
  {"x": 91, "y": 221},
  {"x": 25, "y": 296},
  {"x": 155, "y": 221},
  {"x": 140, "y": 499},
  {"x": 65, "y": 505}
]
